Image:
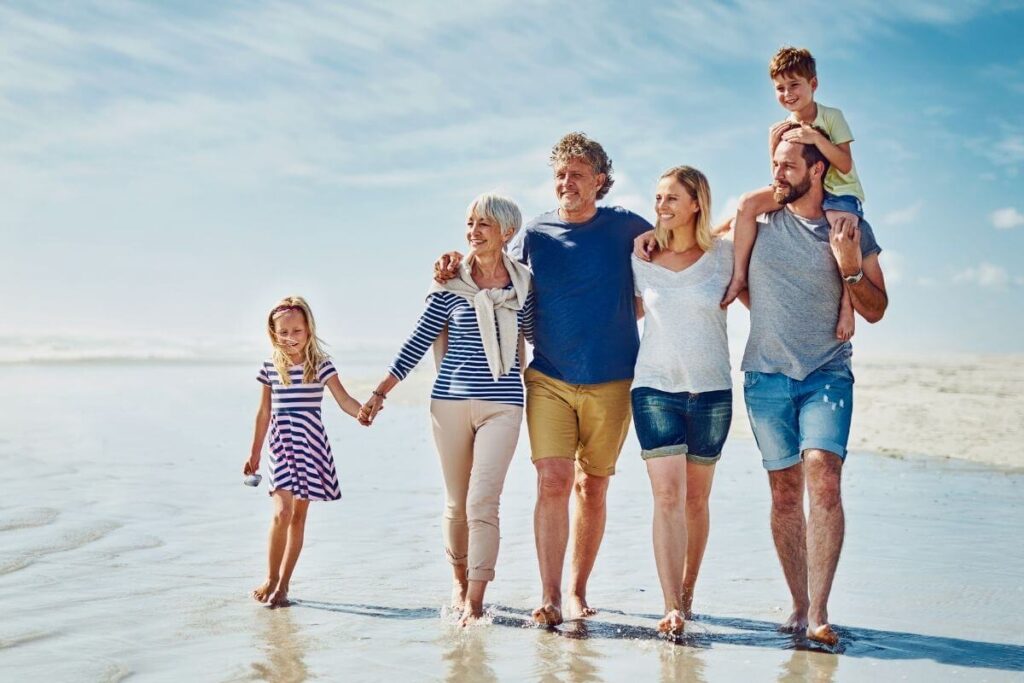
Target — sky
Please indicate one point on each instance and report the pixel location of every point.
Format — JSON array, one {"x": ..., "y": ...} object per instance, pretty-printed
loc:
[{"x": 171, "y": 169}]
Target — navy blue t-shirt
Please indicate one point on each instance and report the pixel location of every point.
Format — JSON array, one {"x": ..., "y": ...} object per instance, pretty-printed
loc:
[{"x": 585, "y": 322}]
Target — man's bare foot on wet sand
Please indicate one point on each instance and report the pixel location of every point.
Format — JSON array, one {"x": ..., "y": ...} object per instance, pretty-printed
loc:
[
  {"x": 579, "y": 609},
  {"x": 824, "y": 634},
  {"x": 263, "y": 592},
  {"x": 672, "y": 623},
  {"x": 797, "y": 623},
  {"x": 548, "y": 614}
]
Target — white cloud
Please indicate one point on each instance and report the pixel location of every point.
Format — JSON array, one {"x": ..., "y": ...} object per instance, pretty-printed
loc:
[
  {"x": 1005, "y": 219},
  {"x": 907, "y": 214},
  {"x": 984, "y": 275},
  {"x": 893, "y": 265},
  {"x": 925, "y": 281}
]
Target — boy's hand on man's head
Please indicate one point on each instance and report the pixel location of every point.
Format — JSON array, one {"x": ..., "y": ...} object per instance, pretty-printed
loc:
[
  {"x": 805, "y": 135},
  {"x": 775, "y": 133}
]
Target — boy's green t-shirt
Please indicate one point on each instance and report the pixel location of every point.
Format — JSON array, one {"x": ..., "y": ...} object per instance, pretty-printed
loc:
[{"x": 831, "y": 120}]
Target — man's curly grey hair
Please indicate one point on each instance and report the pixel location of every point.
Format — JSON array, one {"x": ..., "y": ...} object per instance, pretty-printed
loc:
[{"x": 579, "y": 146}]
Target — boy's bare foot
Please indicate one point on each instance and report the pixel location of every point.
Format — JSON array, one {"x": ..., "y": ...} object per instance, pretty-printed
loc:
[
  {"x": 823, "y": 634},
  {"x": 672, "y": 624},
  {"x": 548, "y": 615},
  {"x": 579, "y": 608},
  {"x": 263, "y": 593},
  {"x": 280, "y": 597},
  {"x": 797, "y": 623},
  {"x": 736, "y": 285},
  {"x": 846, "y": 325}
]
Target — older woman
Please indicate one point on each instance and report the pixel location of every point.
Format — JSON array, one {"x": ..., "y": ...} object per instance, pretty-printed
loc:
[
  {"x": 476, "y": 322},
  {"x": 682, "y": 390}
]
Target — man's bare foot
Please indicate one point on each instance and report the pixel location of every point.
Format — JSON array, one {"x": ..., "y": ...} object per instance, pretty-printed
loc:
[
  {"x": 797, "y": 623},
  {"x": 263, "y": 593},
  {"x": 280, "y": 597},
  {"x": 579, "y": 609},
  {"x": 548, "y": 615},
  {"x": 672, "y": 624},
  {"x": 823, "y": 634},
  {"x": 736, "y": 285},
  {"x": 459, "y": 594}
]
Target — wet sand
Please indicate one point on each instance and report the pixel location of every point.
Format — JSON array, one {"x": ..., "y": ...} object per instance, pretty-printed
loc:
[{"x": 130, "y": 545}]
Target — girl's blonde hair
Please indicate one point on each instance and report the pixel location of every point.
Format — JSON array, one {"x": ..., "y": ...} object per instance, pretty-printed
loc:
[
  {"x": 698, "y": 188},
  {"x": 313, "y": 353}
]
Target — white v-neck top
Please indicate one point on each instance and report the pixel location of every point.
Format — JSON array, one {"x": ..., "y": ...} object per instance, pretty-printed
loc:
[{"x": 684, "y": 346}]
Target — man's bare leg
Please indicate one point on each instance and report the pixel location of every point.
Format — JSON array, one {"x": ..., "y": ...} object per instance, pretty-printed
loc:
[
  {"x": 698, "y": 525},
  {"x": 587, "y": 530},
  {"x": 825, "y": 530},
  {"x": 790, "y": 535},
  {"x": 551, "y": 531},
  {"x": 278, "y": 538},
  {"x": 296, "y": 536},
  {"x": 668, "y": 484}
]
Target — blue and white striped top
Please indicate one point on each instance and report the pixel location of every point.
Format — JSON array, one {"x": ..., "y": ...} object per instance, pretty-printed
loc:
[
  {"x": 295, "y": 396},
  {"x": 464, "y": 373}
]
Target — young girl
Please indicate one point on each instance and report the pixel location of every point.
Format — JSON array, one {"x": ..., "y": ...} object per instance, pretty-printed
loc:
[{"x": 301, "y": 466}]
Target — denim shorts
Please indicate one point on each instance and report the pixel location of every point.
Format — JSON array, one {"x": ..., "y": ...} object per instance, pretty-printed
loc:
[
  {"x": 789, "y": 416},
  {"x": 684, "y": 423},
  {"x": 843, "y": 202}
]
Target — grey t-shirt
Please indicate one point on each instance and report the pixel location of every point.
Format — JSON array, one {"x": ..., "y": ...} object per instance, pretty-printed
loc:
[
  {"x": 685, "y": 346},
  {"x": 795, "y": 291}
]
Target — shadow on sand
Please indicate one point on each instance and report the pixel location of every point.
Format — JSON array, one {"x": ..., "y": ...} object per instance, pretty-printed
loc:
[{"x": 855, "y": 642}]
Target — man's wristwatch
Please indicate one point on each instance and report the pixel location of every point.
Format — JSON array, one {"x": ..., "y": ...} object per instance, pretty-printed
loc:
[{"x": 853, "y": 279}]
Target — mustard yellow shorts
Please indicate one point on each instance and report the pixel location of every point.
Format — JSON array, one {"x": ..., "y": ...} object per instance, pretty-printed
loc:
[{"x": 583, "y": 422}]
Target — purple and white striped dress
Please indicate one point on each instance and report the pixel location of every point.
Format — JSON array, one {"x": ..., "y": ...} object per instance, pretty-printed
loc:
[{"x": 300, "y": 454}]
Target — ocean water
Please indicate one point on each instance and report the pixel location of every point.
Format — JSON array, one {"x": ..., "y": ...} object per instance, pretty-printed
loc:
[{"x": 128, "y": 547}]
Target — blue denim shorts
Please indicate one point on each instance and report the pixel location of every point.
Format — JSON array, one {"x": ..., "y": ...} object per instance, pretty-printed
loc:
[
  {"x": 694, "y": 425},
  {"x": 789, "y": 416},
  {"x": 843, "y": 202}
]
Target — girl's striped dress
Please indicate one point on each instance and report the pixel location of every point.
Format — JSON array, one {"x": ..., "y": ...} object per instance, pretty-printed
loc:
[{"x": 300, "y": 454}]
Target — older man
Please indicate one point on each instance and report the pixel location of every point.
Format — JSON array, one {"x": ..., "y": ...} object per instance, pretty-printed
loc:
[
  {"x": 586, "y": 342},
  {"x": 798, "y": 383}
]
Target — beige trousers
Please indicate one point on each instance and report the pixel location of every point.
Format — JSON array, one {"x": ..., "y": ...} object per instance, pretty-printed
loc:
[{"x": 475, "y": 441}]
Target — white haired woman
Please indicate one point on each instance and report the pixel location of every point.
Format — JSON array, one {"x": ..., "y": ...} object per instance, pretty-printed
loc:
[
  {"x": 476, "y": 323},
  {"x": 682, "y": 389}
]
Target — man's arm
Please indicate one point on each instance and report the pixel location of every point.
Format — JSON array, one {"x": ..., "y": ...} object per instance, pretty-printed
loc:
[{"x": 868, "y": 296}]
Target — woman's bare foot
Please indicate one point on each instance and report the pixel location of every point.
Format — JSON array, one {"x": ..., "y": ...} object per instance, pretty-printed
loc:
[
  {"x": 280, "y": 597},
  {"x": 797, "y": 623},
  {"x": 263, "y": 593},
  {"x": 548, "y": 615},
  {"x": 672, "y": 624},
  {"x": 578, "y": 607},
  {"x": 459, "y": 589},
  {"x": 823, "y": 634},
  {"x": 688, "y": 604}
]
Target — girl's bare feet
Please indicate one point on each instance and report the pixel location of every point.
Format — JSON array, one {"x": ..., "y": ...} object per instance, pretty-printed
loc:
[
  {"x": 263, "y": 593},
  {"x": 672, "y": 624}
]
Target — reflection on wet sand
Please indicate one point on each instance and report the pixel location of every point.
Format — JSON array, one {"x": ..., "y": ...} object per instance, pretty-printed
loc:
[
  {"x": 568, "y": 654},
  {"x": 808, "y": 666},
  {"x": 285, "y": 648},
  {"x": 682, "y": 664},
  {"x": 466, "y": 656}
]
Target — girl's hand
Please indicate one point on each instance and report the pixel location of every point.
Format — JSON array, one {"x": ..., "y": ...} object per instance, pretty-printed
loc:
[
  {"x": 370, "y": 409},
  {"x": 252, "y": 465}
]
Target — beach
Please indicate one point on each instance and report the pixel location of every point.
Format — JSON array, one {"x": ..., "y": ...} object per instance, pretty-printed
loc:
[{"x": 130, "y": 545}]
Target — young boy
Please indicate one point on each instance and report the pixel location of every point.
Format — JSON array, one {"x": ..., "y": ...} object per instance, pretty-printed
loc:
[{"x": 793, "y": 71}]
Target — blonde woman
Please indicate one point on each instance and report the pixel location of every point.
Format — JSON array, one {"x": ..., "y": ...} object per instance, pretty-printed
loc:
[
  {"x": 682, "y": 390},
  {"x": 301, "y": 464},
  {"x": 478, "y": 319}
]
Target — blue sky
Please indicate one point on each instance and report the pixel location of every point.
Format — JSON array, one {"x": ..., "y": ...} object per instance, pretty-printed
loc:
[{"x": 171, "y": 169}]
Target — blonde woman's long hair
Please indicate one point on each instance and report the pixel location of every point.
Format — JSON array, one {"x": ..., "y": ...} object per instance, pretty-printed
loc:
[
  {"x": 313, "y": 353},
  {"x": 698, "y": 188}
]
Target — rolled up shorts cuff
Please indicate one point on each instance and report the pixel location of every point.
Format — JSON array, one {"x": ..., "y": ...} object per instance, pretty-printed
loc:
[
  {"x": 782, "y": 463},
  {"x": 703, "y": 459},
  {"x": 824, "y": 445},
  {"x": 480, "y": 575},
  {"x": 663, "y": 451}
]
